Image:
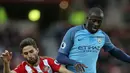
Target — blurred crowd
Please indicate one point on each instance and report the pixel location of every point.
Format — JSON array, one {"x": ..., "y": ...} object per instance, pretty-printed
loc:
[{"x": 48, "y": 37}]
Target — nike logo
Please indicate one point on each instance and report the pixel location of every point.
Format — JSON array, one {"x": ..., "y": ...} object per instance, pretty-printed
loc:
[{"x": 80, "y": 39}]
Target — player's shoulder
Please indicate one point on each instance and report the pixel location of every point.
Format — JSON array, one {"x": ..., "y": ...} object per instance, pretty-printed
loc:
[
  {"x": 46, "y": 57},
  {"x": 50, "y": 60},
  {"x": 21, "y": 65},
  {"x": 104, "y": 33},
  {"x": 76, "y": 28}
]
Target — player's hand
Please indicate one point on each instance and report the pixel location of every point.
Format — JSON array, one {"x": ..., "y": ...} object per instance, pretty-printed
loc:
[
  {"x": 80, "y": 67},
  {"x": 6, "y": 56}
]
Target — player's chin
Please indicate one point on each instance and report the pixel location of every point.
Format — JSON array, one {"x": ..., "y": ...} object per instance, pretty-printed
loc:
[
  {"x": 94, "y": 31},
  {"x": 32, "y": 62}
]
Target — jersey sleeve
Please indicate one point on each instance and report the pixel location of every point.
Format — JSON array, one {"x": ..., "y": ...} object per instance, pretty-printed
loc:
[
  {"x": 19, "y": 69},
  {"x": 108, "y": 44},
  {"x": 54, "y": 64},
  {"x": 67, "y": 42}
]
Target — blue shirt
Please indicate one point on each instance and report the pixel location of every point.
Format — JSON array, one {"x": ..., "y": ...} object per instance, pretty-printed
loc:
[{"x": 84, "y": 47}]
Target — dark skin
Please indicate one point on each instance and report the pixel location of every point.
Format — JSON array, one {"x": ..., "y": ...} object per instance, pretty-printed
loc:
[{"x": 93, "y": 24}]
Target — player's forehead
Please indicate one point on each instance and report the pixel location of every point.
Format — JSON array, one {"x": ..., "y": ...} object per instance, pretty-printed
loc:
[
  {"x": 95, "y": 18},
  {"x": 28, "y": 48},
  {"x": 97, "y": 15}
]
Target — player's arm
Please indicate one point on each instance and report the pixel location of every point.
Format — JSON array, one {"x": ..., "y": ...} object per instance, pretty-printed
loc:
[
  {"x": 57, "y": 67},
  {"x": 7, "y": 69},
  {"x": 64, "y": 70},
  {"x": 114, "y": 51},
  {"x": 6, "y": 57},
  {"x": 64, "y": 50},
  {"x": 65, "y": 47}
]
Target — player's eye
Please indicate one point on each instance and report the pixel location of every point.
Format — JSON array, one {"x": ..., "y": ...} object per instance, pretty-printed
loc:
[
  {"x": 31, "y": 51},
  {"x": 99, "y": 21},
  {"x": 25, "y": 53},
  {"x": 93, "y": 20}
]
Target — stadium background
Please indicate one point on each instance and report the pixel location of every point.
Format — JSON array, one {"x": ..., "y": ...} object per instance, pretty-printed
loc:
[{"x": 50, "y": 19}]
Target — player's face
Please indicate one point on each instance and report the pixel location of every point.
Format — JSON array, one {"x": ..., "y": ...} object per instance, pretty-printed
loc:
[
  {"x": 30, "y": 54},
  {"x": 94, "y": 23}
]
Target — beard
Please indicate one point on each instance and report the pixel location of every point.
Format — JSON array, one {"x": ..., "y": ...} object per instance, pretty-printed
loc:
[{"x": 32, "y": 61}]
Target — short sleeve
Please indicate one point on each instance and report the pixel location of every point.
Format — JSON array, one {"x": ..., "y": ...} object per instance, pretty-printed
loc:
[
  {"x": 108, "y": 44},
  {"x": 66, "y": 43},
  {"x": 54, "y": 64}
]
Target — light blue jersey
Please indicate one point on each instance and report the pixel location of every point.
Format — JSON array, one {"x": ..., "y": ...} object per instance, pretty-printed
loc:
[{"x": 84, "y": 47}]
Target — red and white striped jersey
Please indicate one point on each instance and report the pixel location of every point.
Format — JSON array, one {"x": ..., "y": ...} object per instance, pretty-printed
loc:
[{"x": 46, "y": 65}]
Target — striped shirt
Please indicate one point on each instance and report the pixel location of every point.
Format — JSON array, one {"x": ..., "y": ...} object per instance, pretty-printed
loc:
[{"x": 46, "y": 65}]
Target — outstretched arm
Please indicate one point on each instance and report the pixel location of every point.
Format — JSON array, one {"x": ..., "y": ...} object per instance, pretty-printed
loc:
[
  {"x": 63, "y": 59},
  {"x": 114, "y": 51},
  {"x": 66, "y": 61},
  {"x": 6, "y": 57},
  {"x": 64, "y": 70},
  {"x": 7, "y": 68},
  {"x": 119, "y": 54}
]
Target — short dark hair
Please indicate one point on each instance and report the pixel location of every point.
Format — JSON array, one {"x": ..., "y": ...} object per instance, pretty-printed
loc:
[
  {"x": 96, "y": 10},
  {"x": 27, "y": 42}
]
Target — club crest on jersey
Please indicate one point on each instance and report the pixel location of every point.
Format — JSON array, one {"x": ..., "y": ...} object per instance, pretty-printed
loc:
[
  {"x": 63, "y": 45},
  {"x": 99, "y": 40}
]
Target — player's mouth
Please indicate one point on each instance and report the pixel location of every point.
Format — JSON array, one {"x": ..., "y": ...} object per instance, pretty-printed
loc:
[
  {"x": 31, "y": 59},
  {"x": 94, "y": 29}
]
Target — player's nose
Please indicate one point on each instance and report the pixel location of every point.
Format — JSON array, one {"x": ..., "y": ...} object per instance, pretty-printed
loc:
[
  {"x": 96, "y": 23},
  {"x": 29, "y": 55}
]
